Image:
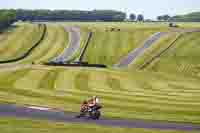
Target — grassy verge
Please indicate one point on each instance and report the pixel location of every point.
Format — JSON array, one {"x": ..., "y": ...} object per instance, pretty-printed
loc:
[
  {"x": 14, "y": 125},
  {"x": 126, "y": 95}
]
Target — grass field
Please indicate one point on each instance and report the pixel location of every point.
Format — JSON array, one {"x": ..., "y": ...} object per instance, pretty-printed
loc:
[
  {"x": 35, "y": 126},
  {"x": 140, "y": 95},
  {"x": 55, "y": 41},
  {"x": 20, "y": 41},
  {"x": 168, "y": 89}
]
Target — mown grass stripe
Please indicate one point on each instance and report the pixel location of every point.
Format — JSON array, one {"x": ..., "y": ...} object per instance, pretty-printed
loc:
[
  {"x": 152, "y": 96},
  {"x": 81, "y": 81},
  {"x": 28, "y": 52},
  {"x": 31, "y": 40},
  {"x": 7, "y": 79},
  {"x": 14, "y": 45},
  {"x": 114, "y": 82},
  {"x": 98, "y": 81},
  {"x": 48, "y": 81},
  {"x": 51, "y": 45},
  {"x": 64, "y": 82},
  {"x": 44, "y": 47},
  {"x": 22, "y": 48},
  {"x": 30, "y": 80},
  {"x": 95, "y": 44},
  {"x": 12, "y": 37},
  {"x": 136, "y": 99}
]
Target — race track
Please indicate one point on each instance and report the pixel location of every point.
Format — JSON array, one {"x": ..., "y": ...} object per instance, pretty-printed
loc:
[
  {"x": 124, "y": 62},
  {"x": 74, "y": 44},
  {"x": 42, "y": 113}
]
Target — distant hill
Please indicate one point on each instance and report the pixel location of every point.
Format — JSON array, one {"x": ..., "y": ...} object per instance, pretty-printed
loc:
[{"x": 191, "y": 17}]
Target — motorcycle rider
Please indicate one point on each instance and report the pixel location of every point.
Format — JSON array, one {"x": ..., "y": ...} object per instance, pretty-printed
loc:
[
  {"x": 94, "y": 103},
  {"x": 89, "y": 106}
]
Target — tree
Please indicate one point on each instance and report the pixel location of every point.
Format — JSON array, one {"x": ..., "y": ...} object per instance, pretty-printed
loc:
[
  {"x": 166, "y": 17},
  {"x": 159, "y": 18},
  {"x": 132, "y": 17},
  {"x": 7, "y": 17},
  {"x": 140, "y": 18}
]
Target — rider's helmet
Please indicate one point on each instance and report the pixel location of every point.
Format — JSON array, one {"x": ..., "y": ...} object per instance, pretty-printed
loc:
[{"x": 96, "y": 99}]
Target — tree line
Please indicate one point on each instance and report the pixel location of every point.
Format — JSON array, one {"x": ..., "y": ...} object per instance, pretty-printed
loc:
[
  {"x": 7, "y": 17},
  {"x": 134, "y": 17},
  {"x": 191, "y": 17},
  {"x": 70, "y": 15},
  {"x": 67, "y": 15}
]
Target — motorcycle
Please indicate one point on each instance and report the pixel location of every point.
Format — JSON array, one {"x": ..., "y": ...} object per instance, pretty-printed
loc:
[{"x": 92, "y": 112}]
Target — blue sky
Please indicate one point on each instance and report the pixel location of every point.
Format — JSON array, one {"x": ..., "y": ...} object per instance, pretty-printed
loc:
[{"x": 150, "y": 8}]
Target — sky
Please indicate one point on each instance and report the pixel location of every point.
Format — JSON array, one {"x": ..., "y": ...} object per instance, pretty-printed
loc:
[{"x": 150, "y": 8}]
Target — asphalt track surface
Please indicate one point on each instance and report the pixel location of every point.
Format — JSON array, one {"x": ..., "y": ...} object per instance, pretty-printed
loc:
[
  {"x": 74, "y": 44},
  {"x": 42, "y": 113},
  {"x": 140, "y": 50}
]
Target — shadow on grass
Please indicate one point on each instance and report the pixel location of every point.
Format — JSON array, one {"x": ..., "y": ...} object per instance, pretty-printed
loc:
[{"x": 8, "y": 29}]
